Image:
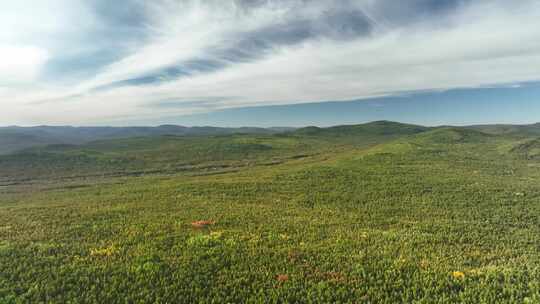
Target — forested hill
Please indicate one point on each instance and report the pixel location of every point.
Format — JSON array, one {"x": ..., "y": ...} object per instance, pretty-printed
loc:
[{"x": 17, "y": 138}]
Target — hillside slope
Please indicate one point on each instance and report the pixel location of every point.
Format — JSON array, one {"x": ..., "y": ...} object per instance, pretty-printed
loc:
[
  {"x": 452, "y": 135},
  {"x": 376, "y": 128},
  {"x": 17, "y": 138},
  {"x": 515, "y": 130},
  {"x": 441, "y": 216},
  {"x": 170, "y": 154},
  {"x": 528, "y": 150}
]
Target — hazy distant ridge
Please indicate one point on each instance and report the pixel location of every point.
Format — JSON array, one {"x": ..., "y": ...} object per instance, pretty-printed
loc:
[
  {"x": 16, "y": 138},
  {"x": 13, "y": 139}
]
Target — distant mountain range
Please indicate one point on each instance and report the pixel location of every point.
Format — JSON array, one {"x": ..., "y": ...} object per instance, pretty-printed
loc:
[{"x": 13, "y": 139}]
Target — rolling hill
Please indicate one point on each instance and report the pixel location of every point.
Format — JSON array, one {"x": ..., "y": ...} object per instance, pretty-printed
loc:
[
  {"x": 515, "y": 130},
  {"x": 227, "y": 149},
  {"x": 17, "y": 138},
  {"x": 171, "y": 153},
  {"x": 374, "y": 213},
  {"x": 373, "y": 129},
  {"x": 529, "y": 149},
  {"x": 453, "y": 135}
]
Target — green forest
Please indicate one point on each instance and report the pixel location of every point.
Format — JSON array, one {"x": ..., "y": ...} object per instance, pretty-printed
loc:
[{"x": 374, "y": 213}]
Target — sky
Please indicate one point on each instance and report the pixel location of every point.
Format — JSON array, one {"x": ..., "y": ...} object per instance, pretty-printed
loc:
[{"x": 269, "y": 62}]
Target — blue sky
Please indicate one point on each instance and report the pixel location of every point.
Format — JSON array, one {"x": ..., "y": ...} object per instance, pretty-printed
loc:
[
  {"x": 269, "y": 62},
  {"x": 504, "y": 104}
]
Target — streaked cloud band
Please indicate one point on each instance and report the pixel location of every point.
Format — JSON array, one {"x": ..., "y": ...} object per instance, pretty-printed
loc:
[{"x": 103, "y": 60}]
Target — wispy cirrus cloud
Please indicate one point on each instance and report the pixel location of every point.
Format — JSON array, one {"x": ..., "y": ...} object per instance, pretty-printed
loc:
[{"x": 93, "y": 61}]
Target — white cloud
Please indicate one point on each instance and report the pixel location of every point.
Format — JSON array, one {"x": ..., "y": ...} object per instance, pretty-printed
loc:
[
  {"x": 20, "y": 64},
  {"x": 25, "y": 41},
  {"x": 484, "y": 43},
  {"x": 186, "y": 30}
]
